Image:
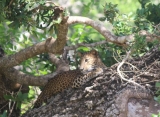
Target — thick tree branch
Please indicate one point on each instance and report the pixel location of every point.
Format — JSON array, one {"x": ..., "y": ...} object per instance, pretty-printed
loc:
[
  {"x": 84, "y": 44},
  {"x": 60, "y": 63},
  {"x": 27, "y": 79},
  {"x": 101, "y": 29},
  {"x": 50, "y": 45},
  {"x": 17, "y": 58},
  {"x": 60, "y": 42},
  {"x": 123, "y": 40},
  {"x": 22, "y": 78}
]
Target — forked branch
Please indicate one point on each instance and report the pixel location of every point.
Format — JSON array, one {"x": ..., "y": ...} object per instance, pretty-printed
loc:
[{"x": 120, "y": 74}]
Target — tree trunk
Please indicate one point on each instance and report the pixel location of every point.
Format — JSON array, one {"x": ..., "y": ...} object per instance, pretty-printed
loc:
[{"x": 108, "y": 95}]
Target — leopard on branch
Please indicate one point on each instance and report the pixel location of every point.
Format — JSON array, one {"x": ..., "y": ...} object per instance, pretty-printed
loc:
[{"x": 90, "y": 66}]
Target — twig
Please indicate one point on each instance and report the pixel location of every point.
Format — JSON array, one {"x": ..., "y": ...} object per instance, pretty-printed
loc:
[
  {"x": 119, "y": 72},
  {"x": 114, "y": 56},
  {"x": 11, "y": 110},
  {"x": 134, "y": 67},
  {"x": 4, "y": 106}
]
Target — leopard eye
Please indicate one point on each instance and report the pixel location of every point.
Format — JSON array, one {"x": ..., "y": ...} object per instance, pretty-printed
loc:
[{"x": 86, "y": 60}]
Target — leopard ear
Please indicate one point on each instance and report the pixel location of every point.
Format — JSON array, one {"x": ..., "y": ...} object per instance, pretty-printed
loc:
[{"x": 94, "y": 52}]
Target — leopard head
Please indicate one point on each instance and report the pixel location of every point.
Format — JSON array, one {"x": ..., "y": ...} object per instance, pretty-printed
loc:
[{"x": 89, "y": 61}]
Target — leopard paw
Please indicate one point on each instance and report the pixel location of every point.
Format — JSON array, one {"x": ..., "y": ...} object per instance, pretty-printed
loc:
[{"x": 98, "y": 71}]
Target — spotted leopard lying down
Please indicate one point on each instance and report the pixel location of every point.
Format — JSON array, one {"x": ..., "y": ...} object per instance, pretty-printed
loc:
[{"x": 90, "y": 67}]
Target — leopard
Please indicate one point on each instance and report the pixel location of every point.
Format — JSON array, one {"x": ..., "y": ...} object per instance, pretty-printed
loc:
[{"x": 90, "y": 67}]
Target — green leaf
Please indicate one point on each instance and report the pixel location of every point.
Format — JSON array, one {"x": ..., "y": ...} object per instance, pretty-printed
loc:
[
  {"x": 153, "y": 115},
  {"x": 157, "y": 84},
  {"x": 4, "y": 114},
  {"x": 18, "y": 105},
  {"x": 7, "y": 97},
  {"x": 24, "y": 96},
  {"x": 102, "y": 18}
]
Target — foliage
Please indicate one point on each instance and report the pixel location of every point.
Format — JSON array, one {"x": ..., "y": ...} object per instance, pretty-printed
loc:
[
  {"x": 26, "y": 22},
  {"x": 18, "y": 98},
  {"x": 110, "y": 11},
  {"x": 4, "y": 114},
  {"x": 28, "y": 13},
  {"x": 158, "y": 92},
  {"x": 151, "y": 11},
  {"x": 26, "y": 104},
  {"x": 154, "y": 115}
]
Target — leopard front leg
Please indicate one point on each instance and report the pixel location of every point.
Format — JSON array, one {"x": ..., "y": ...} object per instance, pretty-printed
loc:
[
  {"x": 98, "y": 71},
  {"x": 80, "y": 80}
]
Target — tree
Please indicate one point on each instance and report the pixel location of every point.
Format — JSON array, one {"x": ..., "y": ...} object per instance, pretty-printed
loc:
[{"x": 48, "y": 24}]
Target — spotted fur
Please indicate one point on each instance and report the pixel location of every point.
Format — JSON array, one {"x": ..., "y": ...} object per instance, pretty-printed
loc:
[{"x": 90, "y": 67}]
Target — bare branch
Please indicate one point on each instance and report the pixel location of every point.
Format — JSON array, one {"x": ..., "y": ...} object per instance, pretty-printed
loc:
[
  {"x": 120, "y": 74},
  {"x": 123, "y": 40},
  {"x": 50, "y": 45},
  {"x": 27, "y": 79},
  {"x": 149, "y": 37},
  {"x": 84, "y": 44},
  {"x": 60, "y": 63},
  {"x": 16, "y": 59},
  {"x": 54, "y": 59},
  {"x": 101, "y": 29},
  {"x": 60, "y": 42}
]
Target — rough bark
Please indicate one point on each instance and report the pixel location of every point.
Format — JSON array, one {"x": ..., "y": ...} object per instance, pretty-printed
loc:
[{"x": 108, "y": 95}]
